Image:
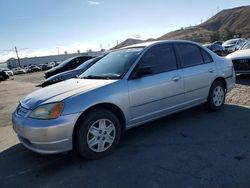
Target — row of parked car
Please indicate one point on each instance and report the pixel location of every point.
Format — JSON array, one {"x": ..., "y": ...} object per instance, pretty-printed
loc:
[
  {"x": 5, "y": 73},
  {"x": 32, "y": 68},
  {"x": 238, "y": 50},
  {"x": 227, "y": 47}
]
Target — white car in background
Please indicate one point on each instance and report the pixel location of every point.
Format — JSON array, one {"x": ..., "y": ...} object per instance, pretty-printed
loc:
[
  {"x": 234, "y": 44},
  {"x": 8, "y": 71},
  {"x": 19, "y": 70},
  {"x": 241, "y": 59}
]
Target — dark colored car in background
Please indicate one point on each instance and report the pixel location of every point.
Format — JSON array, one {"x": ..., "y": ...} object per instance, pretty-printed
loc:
[
  {"x": 46, "y": 66},
  {"x": 34, "y": 68},
  {"x": 66, "y": 65},
  {"x": 218, "y": 42},
  {"x": 3, "y": 75},
  {"x": 216, "y": 48},
  {"x": 71, "y": 73}
]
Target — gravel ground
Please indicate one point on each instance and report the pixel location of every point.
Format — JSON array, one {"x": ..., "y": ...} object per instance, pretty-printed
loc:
[{"x": 241, "y": 93}]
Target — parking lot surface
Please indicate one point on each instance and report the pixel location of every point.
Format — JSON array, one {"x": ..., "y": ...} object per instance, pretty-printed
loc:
[{"x": 193, "y": 148}]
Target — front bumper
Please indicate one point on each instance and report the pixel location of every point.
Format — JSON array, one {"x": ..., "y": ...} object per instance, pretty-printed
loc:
[{"x": 45, "y": 136}]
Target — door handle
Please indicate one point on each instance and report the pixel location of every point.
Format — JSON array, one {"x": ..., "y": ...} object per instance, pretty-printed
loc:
[
  {"x": 176, "y": 78},
  {"x": 211, "y": 70}
]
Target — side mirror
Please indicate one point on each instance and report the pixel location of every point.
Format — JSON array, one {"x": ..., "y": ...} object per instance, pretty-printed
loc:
[{"x": 142, "y": 71}]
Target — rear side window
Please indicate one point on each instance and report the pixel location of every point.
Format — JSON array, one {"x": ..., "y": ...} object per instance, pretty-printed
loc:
[
  {"x": 190, "y": 54},
  {"x": 161, "y": 58},
  {"x": 206, "y": 57}
]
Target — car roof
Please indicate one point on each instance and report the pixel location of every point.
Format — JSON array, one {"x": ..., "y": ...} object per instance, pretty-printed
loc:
[{"x": 145, "y": 44}]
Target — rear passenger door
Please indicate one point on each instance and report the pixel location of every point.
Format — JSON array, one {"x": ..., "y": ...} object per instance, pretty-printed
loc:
[
  {"x": 199, "y": 71},
  {"x": 161, "y": 92}
]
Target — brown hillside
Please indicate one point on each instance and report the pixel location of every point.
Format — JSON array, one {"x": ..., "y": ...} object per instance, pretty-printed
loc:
[
  {"x": 232, "y": 19},
  {"x": 236, "y": 20},
  {"x": 197, "y": 34},
  {"x": 128, "y": 42}
]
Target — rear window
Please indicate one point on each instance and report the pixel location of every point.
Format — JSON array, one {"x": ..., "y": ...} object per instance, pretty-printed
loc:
[
  {"x": 190, "y": 54},
  {"x": 161, "y": 58},
  {"x": 206, "y": 56}
]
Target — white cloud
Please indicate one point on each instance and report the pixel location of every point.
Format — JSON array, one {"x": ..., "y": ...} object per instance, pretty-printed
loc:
[
  {"x": 94, "y": 3},
  {"x": 137, "y": 36},
  {"x": 71, "y": 48}
]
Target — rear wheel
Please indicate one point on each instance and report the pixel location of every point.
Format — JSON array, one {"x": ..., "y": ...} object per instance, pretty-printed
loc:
[
  {"x": 216, "y": 97},
  {"x": 98, "y": 134}
]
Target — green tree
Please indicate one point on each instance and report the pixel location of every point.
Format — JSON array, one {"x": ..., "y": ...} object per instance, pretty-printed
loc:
[
  {"x": 215, "y": 36},
  {"x": 225, "y": 34}
]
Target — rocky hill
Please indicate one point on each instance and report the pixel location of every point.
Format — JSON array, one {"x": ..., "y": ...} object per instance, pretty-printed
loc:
[
  {"x": 233, "y": 21},
  {"x": 128, "y": 42}
]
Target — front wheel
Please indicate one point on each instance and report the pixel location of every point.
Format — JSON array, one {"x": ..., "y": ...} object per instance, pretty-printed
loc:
[
  {"x": 98, "y": 134},
  {"x": 216, "y": 97}
]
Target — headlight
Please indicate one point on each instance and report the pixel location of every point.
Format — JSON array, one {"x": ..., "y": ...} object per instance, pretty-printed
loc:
[{"x": 48, "y": 111}]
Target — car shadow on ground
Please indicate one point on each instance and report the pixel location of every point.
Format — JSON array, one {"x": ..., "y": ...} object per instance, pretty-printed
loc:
[
  {"x": 193, "y": 148},
  {"x": 243, "y": 79}
]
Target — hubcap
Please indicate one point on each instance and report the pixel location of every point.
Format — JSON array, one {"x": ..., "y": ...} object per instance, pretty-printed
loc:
[
  {"x": 101, "y": 135},
  {"x": 218, "y": 96}
]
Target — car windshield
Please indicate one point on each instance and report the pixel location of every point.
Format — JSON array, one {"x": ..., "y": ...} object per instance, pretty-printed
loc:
[
  {"x": 231, "y": 42},
  {"x": 112, "y": 66},
  {"x": 66, "y": 61},
  {"x": 246, "y": 46},
  {"x": 89, "y": 62}
]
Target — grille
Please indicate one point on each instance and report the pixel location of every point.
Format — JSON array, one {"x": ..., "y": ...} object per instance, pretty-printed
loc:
[
  {"x": 21, "y": 111},
  {"x": 241, "y": 64}
]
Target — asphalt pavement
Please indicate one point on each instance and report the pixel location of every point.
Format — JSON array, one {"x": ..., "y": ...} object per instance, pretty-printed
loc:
[{"x": 191, "y": 149}]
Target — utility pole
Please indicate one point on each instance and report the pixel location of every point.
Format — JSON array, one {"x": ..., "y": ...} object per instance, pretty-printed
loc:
[{"x": 18, "y": 60}]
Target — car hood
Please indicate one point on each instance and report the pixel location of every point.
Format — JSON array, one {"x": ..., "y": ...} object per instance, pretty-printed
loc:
[
  {"x": 62, "y": 90},
  {"x": 240, "y": 54}
]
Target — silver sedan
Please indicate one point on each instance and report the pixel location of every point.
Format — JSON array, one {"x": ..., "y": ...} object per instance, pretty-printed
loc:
[{"x": 126, "y": 88}]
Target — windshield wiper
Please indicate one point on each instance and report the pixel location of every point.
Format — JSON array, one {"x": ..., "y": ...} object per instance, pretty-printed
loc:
[
  {"x": 110, "y": 77},
  {"x": 95, "y": 77}
]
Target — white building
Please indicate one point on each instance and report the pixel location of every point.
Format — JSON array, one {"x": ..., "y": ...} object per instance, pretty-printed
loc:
[{"x": 12, "y": 63}]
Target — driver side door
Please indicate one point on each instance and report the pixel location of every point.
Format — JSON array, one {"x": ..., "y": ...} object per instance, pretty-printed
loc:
[{"x": 159, "y": 93}]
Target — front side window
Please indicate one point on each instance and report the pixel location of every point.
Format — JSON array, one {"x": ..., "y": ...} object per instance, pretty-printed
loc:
[
  {"x": 190, "y": 54},
  {"x": 160, "y": 58},
  {"x": 114, "y": 65}
]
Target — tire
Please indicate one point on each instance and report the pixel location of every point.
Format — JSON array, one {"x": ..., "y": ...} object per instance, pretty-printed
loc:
[
  {"x": 98, "y": 134},
  {"x": 216, "y": 97}
]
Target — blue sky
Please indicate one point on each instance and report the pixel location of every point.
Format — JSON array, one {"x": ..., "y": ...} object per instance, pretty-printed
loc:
[{"x": 47, "y": 27}]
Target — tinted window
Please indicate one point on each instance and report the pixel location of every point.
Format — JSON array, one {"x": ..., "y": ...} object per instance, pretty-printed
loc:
[
  {"x": 89, "y": 62},
  {"x": 206, "y": 57},
  {"x": 114, "y": 65},
  {"x": 190, "y": 54},
  {"x": 160, "y": 58}
]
